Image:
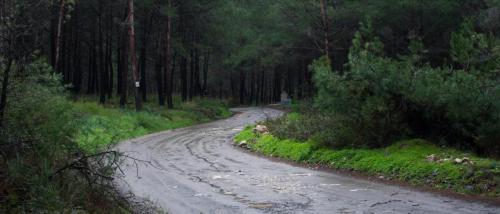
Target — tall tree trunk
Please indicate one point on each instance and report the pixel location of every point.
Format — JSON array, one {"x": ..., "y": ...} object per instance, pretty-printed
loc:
[
  {"x": 109, "y": 57},
  {"x": 133, "y": 56},
  {"x": 76, "y": 65},
  {"x": 77, "y": 69},
  {"x": 233, "y": 85},
  {"x": 60, "y": 20},
  {"x": 324, "y": 18},
  {"x": 252, "y": 88},
  {"x": 159, "y": 74},
  {"x": 123, "y": 79},
  {"x": 89, "y": 71},
  {"x": 205, "y": 74},
  {"x": 197, "y": 86},
  {"x": 142, "y": 63},
  {"x": 94, "y": 81},
  {"x": 168, "y": 72},
  {"x": 102, "y": 63},
  {"x": 191, "y": 76},
  {"x": 184, "y": 82},
  {"x": 5, "y": 84},
  {"x": 277, "y": 84},
  {"x": 300, "y": 79},
  {"x": 119, "y": 62},
  {"x": 170, "y": 84},
  {"x": 242, "y": 87},
  {"x": 110, "y": 67},
  {"x": 262, "y": 86}
]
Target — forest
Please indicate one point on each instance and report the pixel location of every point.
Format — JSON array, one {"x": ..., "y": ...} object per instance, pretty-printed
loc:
[{"x": 78, "y": 76}]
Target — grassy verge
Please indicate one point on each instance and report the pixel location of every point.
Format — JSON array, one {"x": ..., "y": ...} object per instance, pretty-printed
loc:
[
  {"x": 405, "y": 160},
  {"x": 100, "y": 126}
]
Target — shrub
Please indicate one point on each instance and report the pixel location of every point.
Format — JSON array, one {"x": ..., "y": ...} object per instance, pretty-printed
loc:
[
  {"x": 35, "y": 142},
  {"x": 379, "y": 100}
]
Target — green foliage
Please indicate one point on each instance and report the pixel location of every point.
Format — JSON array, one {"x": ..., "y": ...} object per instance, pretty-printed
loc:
[
  {"x": 404, "y": 160},
  {"x": 380, "y": 100},
  {"x": 474, "y": 50},
  {"x": 101, "y": 126},
  {"x": 35, "y": 142}
]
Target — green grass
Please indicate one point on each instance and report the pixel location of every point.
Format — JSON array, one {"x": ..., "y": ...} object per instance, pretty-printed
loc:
[
  {"x": 405, "y": 160},
  {"x": 100, "y": 126}
]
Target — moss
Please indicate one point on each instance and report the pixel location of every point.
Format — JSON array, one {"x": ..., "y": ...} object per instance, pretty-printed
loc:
[{"x": 404, "y": 160}]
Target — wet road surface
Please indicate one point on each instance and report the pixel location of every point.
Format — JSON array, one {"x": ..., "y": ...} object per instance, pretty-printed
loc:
[{"x": 197, "y": 170}]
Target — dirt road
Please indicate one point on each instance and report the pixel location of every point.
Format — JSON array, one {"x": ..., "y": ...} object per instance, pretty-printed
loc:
[{"x": 197, "y": 170}]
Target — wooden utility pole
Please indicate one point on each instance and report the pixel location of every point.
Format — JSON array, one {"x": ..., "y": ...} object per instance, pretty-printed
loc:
[{"x": 133, "y": 56}]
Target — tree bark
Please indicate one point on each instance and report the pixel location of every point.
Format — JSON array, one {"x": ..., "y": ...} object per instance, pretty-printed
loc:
[
  {"x": 205, "y": 74},
  {"x": 242, "y": 87},
  {"x": 123, "y": 71},
  {"x": 262, "y": 86},
  {"x": 89, "y": 71},
  {"x": 300, "y": 79},
  {"x": 197, "y": 86},
  {"x": 142, "y": 63},
  {"x": 277, "y": 84},
  {"x": 324, "y": 18},
  {"x": 184, "y": 82},
  {"x": 119, "y": 62},
  {"x": 102, "y": 62},
  {"x": 5, "y": 84},
  {"x": 159, "y": 74},
  {"x": 170, "y": 84},
  {"x": 109, "y": 58},
  {"x": 191, "y": 76},
  {"x": 252, "y": 89},
  {"x": 62, "y": 5},
  {"x": 168, "y": 72},
  {"x": 133, "y": 56}
]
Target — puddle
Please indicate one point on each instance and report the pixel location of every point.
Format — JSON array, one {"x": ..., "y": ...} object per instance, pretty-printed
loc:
[
  {"x": 301, "y": 174},
  {"x": 357, "y": 190},
  {"x": 330, "y": 185},
  {"x": 261, "y": 205}
]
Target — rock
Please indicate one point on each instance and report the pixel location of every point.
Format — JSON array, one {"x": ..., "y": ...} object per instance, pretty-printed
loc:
[
  {"x": 243, "y": 144},
  {"x": 432, "y": 158},
  {"x": 443, "y": 160},
  {"x": 381, "y": 177},
  {"x": 464, "y": 160},
  {"x": 469, "y": 187},
  {"x": 261, "y": 129}
]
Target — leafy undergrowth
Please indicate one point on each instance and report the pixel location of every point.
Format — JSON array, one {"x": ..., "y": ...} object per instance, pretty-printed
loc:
[
  {"x": 405, "y": 160},
  {"x": 102, "y": 126}
]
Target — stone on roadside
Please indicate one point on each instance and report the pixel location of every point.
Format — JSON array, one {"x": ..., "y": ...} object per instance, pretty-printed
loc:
[
  {"x": 243, "y": 144},
  {"x": 464, "y": 160},
  {"x": 432, "y": 158},
  {"x": 261, "y": 129}
]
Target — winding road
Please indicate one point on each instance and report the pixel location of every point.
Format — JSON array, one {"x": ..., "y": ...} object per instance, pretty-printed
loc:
[{"x": 197, "y": 170}]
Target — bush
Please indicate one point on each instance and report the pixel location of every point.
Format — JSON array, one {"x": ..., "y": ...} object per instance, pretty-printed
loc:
[
  {"x": 36, "y": 141},
  {"x": 380, "y": 100}
]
